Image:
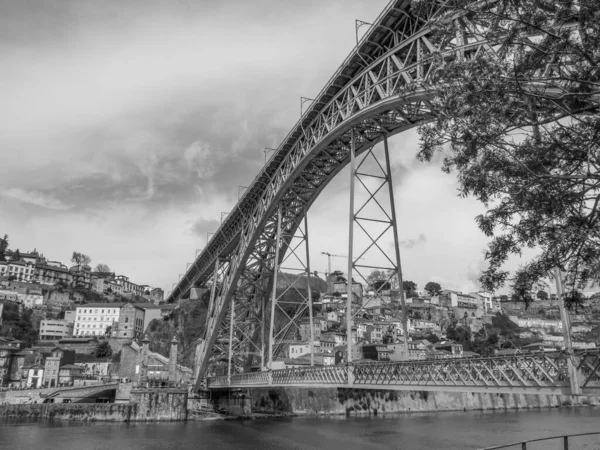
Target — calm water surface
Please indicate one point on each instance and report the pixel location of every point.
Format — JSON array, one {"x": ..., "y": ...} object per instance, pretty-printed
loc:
[{"x": 469, "y": 430}]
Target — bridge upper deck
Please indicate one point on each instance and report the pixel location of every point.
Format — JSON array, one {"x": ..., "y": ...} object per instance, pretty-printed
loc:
[{"x": 391, "y": 26}]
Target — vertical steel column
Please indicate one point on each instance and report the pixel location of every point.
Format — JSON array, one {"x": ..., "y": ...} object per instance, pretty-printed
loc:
[
  {"x": 350, "y": 245},
  {"x": 231, "y": 325},
  {"x": 396, "y": 243},
  {"x": 262, "y": 333},
  {"x": 274, "y": 292},
  {"x": 309, "y": 291},
  {"x": 213, "y": 290},
  {"x": 564, "y": 316}
]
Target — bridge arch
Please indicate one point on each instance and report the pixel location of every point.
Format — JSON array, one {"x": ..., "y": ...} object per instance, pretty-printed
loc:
[{"x": 382, "y": 97}]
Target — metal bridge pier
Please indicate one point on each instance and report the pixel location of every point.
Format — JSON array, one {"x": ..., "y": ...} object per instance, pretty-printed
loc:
[
  {"x": 396, "y": 245},
  {"x": 376, "y": 220},
  {"x": 274, "y": 291}
]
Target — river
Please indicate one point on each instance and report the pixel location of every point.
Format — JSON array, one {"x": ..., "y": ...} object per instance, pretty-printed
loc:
[{"x": 446, "y": 430}]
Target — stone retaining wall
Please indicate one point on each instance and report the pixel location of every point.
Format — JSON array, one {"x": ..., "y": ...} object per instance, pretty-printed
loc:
[
  {"x": 326, "y": 401},
  {"x": 145, "y": 405}
]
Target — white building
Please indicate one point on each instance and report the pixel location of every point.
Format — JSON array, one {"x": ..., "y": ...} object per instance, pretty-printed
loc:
[
  {"x": 298, "y": 349},
  {"x": 21, "y": 270},
  {"x": 55, "y": 329},
  {"x": 95, "y": 318}
]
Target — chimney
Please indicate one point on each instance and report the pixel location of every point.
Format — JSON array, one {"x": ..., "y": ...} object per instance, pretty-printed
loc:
[{"x": 173, "y": 362}]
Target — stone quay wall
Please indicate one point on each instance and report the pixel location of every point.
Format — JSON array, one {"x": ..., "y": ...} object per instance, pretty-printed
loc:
[
  {"x": 145, "y": 406},
  {"x": 330, "y": 401},
  {"x": 108, "y": 412}
]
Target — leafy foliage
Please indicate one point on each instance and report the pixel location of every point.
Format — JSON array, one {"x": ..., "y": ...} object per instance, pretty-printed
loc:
[
  {"x": 433, "y": 288},
  {"x": 80, "y": 259},
  {"x": 522, "y": 132},
  {"x": 102, "y": 268},
  {"x": 3, "y": 247},
  {"x": 104, "y": 350},
  {"x": 409, "y": 286},
  {"x": 20, "y": 326}
]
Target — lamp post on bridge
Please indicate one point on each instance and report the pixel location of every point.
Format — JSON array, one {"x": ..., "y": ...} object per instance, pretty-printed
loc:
[
  {"x": 357, "y": 24},
  {"x": 303, "y": 100},
  {"x": 267, "y": 150}
]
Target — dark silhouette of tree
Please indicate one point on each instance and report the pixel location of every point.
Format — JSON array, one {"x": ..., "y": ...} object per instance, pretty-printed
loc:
[
  {"x": 542, "y": 295},
  {"x": 80, "y": 259},
  {"x": 102, "y": 268},
  {"x": 433, "y": 288},
  {"x": 104, "y": 350},
  {"x": 409, "y": 286},
  {"x": 3, "y": 247}
]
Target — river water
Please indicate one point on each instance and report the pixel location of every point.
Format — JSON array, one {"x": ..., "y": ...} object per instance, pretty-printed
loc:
[{"x": 447, "y": 430}]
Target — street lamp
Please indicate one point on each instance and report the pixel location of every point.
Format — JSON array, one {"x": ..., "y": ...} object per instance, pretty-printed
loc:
[
  {"x": 357, "y": 24},
  {"x": 267, "y": 150},
  {"x": 303, "y": 100},
  {"x": 242, "y": 189},
  {"x": 223, "y": 214}
]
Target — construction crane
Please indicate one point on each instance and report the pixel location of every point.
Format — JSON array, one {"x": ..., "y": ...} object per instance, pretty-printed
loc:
[{"x": 329, "y": 255}]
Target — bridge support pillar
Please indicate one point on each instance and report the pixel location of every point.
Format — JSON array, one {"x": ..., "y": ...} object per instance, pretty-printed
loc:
[{"x": 375, "y": 217}]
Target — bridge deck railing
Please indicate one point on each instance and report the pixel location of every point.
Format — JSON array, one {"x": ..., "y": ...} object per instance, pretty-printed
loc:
[{"x": 541, "y": 370}]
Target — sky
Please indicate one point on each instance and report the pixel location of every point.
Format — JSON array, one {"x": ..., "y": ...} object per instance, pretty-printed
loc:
[{"x": 127, "y": 126}]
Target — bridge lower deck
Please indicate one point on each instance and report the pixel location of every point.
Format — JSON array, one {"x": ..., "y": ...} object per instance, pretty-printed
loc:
[{"x": 540, "y": 373}]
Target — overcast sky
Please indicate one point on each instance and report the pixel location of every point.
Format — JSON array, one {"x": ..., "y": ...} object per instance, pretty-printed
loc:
[{"x": 127, "y": 126}]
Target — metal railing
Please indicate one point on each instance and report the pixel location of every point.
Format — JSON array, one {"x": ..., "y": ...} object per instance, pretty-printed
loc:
[
  {"x": 523, "y": 444},
  {"x": 537, "y": 371}
]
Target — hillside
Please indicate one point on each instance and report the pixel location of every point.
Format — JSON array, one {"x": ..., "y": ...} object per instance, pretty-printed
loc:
[{"x": 188, "y": 321}]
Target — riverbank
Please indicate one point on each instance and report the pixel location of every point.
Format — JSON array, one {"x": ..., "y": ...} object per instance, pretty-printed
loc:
[{"x": 262, "y": 403}]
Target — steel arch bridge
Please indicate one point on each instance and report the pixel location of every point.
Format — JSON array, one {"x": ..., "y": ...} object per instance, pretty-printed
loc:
[{"x": 381, "y": 89}]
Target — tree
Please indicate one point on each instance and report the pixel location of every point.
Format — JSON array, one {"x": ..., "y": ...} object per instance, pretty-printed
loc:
[
  {"x": 378, "y": 280},
  {"x": 433, "y": 288},
  {"x": 102, "y": 268},
  {"x": 104, "y": 350},
  {"x": 409, "y": 286},
  {"x": 80, "y": 259},
  {"x": 432, "y": 338},
  {"x": 337, "y": 275},
  {"x": 521, "y": 130},
  {"x": 542, "y": 295},
  {"x": 3, "y": 247}
]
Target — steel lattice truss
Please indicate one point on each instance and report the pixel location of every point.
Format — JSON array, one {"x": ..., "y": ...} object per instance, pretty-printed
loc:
[
  {"x": 535, "y": 373},
  {"x": 380, "y": 89}
]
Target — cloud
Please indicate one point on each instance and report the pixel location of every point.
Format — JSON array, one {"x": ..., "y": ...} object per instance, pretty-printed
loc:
[
  {"x": 410, "y": 243},
  {"x": 35, "y": 198},
  {"x": 202, "y": 226}
]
